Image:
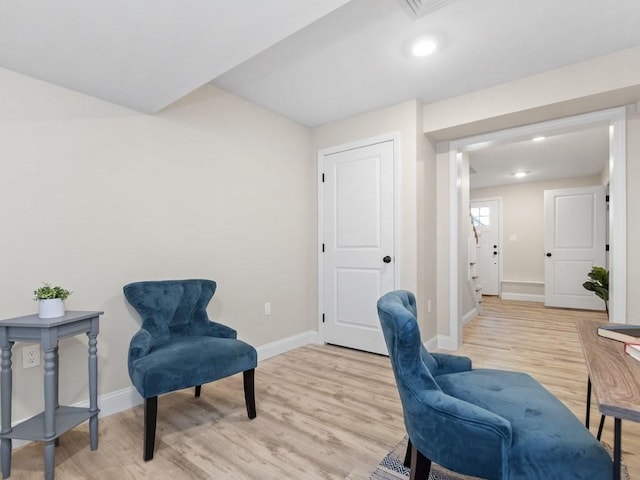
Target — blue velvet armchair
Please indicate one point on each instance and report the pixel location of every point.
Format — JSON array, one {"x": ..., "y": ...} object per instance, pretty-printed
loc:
[
  {"x": 178, "y": 346},
  {"x": 492, "y": 424}
]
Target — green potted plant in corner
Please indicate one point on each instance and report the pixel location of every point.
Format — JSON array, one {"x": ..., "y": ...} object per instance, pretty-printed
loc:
[
  {"x": 599, "y": 284},
  {"x": 50, "y": 300}
]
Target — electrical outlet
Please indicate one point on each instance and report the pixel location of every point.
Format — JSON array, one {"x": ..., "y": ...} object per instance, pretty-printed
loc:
[
  {"x": 30, "y": 356},
  {"x": 267, "y": 308}
]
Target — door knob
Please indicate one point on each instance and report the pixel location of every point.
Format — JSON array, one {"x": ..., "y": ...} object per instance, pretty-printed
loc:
[
  {"x": 387, "y": 259},
  {"x": 548, "y": 254}
]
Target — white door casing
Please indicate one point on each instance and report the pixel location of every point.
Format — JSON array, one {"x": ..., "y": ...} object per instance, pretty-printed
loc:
[
  {"x": 357, "y": 259},
  {"x": 486, "y": 217},
  {"x": 574, "y": 241}
]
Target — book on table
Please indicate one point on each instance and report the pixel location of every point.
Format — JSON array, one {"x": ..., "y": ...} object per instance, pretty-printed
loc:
[
  {"x": 621, "y": 333},
  {"x": 632, "y": 349}
]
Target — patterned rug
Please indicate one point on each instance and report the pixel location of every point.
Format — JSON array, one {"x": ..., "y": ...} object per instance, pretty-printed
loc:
[{"x": 392, "y": 468}]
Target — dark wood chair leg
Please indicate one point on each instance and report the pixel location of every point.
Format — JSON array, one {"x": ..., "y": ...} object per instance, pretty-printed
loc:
[
  {"x": 249, "y": 392},
  {"x": 150, "y": 416},
  {"x": 198, "y": 390},
  {"x": 420, "y": 465},
  {"x": 407, "y": 456}
]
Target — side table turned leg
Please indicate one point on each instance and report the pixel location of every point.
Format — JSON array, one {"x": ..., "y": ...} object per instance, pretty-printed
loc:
[
  {"x": 50, "y": 403},
  {"x": 49, "y": 459},
  {"x": 93, "y": 389},
  {"x": 5, "y": 402}
]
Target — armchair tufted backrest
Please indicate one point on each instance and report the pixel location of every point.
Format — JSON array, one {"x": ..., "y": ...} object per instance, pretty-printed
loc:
[
  {"x": 412, "y": 364},
  {"x": 171, "y": 308}
]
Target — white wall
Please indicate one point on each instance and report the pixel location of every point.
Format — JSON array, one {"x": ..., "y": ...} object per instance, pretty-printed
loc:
[
  {"x": 93, "y": 196},
  {"x": 523, "y": 259},
  {"x": 443, "y": 238},
  {"x": 595, "y": 84},
  {"x": 426, "y": 238}
]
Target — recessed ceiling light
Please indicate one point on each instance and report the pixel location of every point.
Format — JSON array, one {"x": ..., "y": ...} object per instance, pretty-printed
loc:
[
  {"x": 537, "y": 139},
  {"x": 520, "y": 174},
  {"x": 422, "y": 48}
]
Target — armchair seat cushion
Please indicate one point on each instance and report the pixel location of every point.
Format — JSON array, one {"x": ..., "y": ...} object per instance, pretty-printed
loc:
[
  {"x": 185, "y": 362},
  {"x": 548, "y": 439}
]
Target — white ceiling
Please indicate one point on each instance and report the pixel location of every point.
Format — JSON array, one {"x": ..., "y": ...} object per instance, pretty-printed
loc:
[
  {"x": 356, "y": 58},
  {"x": 313, "y": 61},
  {"x": 144, "y": 54},
  {"x": 561, "y": 154}
]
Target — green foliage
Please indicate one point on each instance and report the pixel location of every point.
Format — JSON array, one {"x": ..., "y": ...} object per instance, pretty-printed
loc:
[
  {"x": 47, "y": 292},
  {"x": 599, "y": 284}
]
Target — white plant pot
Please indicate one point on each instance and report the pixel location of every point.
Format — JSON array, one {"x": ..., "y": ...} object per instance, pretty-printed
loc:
[{"x": 51, "y": 308}]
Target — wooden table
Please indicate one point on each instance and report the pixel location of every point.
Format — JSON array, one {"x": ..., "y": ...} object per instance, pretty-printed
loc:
[
  {"x": 56, "y": 419},
  {"x": 615, "y": 378}
]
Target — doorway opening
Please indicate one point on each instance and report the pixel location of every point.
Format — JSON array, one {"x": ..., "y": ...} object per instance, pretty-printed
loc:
[{"x": 615, "y": 119}]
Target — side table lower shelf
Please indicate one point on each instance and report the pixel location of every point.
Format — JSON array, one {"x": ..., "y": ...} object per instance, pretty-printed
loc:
[{"x": 66, "y": 418}]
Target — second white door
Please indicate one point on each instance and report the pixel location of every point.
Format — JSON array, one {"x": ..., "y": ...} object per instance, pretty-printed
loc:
[
  {"x": 574, "y": 242},
  {"x": 359, "y": 252}
]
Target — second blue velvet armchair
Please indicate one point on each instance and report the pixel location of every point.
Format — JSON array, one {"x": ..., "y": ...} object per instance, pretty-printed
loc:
[
  {"x": 493, "y": 424},
  {"x": 178, "y": 346}
]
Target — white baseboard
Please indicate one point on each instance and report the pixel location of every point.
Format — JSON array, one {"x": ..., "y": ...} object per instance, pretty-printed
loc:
[
  {"x": 114, "y": 402},
  {"x": 439, "y": 342},
  {"x": 445, "y": 342},
  {"x": 431, "y": 344},
  {"x": 286, "y": 344},
  {"x": 523, "y": 297},
  {"x": 469, "y": 316}
]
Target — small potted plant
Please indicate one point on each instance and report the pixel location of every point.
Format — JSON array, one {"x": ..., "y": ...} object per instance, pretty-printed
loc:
[
  {"x": 50, "y": 300},
  {"x": 599, "y": 284}
]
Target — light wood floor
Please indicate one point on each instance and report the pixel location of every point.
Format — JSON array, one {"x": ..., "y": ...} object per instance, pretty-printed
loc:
[{"x": 324, "y": 412}]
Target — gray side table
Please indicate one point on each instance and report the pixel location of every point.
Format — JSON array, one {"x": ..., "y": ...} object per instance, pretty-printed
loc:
[{"x": 55, "y": 420}]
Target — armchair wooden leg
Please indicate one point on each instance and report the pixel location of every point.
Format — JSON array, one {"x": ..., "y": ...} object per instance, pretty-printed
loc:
[
  {"x": 150, "y": 416},
  {"x": 249, "y": 392},
  {"x": 198, "y": 390},
  {"x": 420, "y": 465},
  {"x": 407, "y": 456}
]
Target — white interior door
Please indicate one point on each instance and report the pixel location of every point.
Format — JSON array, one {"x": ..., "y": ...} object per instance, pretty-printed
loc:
[
  {"x": 574, "y": 242},
  {"x": 359, "y": 254},
  {"x": 486, "y": 218}
]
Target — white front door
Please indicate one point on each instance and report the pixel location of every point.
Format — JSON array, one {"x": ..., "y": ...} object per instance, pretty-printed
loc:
[
  {"x": 486, "y": 218},
  {"x": 359, "y": 254},
  {"x": 574, "y": 242}
]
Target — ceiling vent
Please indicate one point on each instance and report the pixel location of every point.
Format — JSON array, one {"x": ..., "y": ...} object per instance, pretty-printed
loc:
[{"x": 420, "y": 8}]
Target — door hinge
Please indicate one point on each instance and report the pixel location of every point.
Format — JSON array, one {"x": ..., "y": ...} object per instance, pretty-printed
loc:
[
  {"x": 323, "y": 318},
  {"x": 323, "y": 248},
  {"x": 323, "y": 178},
  {"x": 606, "y": 248},
  {"x": 606, "y": 199}
]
